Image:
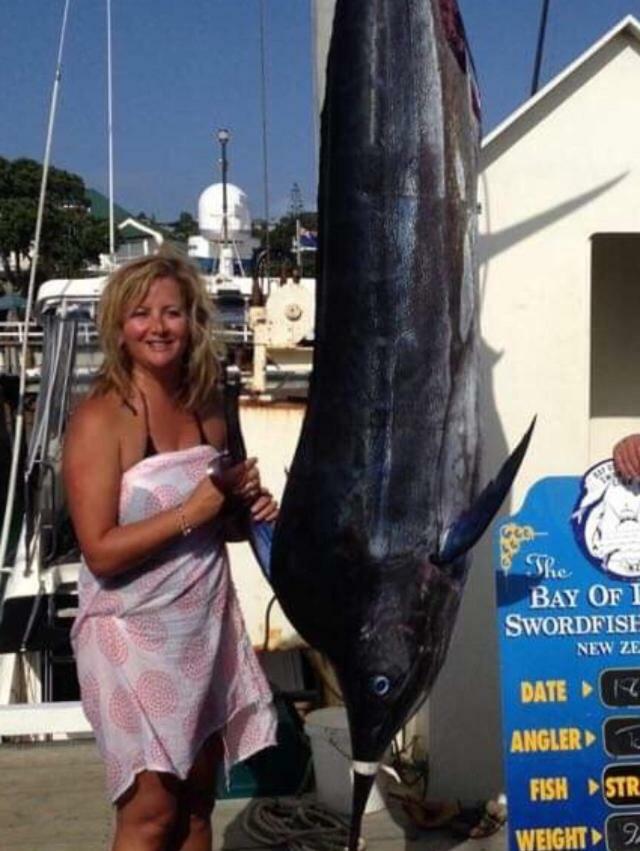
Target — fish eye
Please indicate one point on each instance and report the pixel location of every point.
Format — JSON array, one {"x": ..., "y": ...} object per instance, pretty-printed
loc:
[{"x": 380, "y": 685}]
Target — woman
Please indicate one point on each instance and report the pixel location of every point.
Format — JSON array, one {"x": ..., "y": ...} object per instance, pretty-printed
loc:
[{"x": 168, "y": 678}]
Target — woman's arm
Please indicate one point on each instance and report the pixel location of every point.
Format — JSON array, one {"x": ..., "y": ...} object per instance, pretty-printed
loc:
[{"x": 92, "y": 474}]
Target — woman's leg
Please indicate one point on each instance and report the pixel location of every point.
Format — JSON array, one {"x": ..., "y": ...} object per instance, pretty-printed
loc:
[
  {"x": 197, "y": 799},
  {"x": 146, "y": 813}
]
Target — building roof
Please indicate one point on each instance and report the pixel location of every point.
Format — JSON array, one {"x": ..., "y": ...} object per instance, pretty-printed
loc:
[
  {"x": 131, "y": 228},
  {"x": 99, "y": 206},
  {"x": 629, "y": 26}
]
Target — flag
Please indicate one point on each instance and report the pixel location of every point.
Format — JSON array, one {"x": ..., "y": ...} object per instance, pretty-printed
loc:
[{"x": 308, "y": 240}]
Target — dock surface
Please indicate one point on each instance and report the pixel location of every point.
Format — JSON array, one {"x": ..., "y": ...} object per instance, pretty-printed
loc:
[{"x": 52, "y": 799}]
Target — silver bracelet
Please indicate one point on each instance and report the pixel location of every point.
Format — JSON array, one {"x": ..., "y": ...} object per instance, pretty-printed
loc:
[{"x": 185, "y": 527}]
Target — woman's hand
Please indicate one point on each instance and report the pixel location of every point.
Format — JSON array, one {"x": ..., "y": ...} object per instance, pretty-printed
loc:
[
  {"x": 626, "y": 457},
  {"x": 240, "y": 482},
  {"x": 264, "y": 508},
  {"x": 203, "y": 504}
]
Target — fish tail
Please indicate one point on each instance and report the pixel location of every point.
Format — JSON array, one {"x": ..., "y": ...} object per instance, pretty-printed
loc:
[{"x": 469, "y": 527}]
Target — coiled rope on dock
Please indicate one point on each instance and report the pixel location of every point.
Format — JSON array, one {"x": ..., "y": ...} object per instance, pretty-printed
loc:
[{"x": 297, "y": 823}]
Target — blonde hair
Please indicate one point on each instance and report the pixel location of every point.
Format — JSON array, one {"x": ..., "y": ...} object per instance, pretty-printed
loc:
[{"x": 127, "y": 287}]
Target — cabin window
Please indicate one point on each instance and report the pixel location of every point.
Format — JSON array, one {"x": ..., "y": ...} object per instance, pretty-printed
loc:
[{"x": 615, "y": 325}]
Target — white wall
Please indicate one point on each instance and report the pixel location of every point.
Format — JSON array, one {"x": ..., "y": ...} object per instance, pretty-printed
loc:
[{"x": 271, "y": 434}]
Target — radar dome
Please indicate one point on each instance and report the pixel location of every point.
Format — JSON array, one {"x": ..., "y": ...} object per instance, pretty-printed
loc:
[{"x": 210, "y": 211}]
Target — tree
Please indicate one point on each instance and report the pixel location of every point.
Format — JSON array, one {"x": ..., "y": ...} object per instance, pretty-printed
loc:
[
  {"x": 71, "y": 237},
  {"x": 74, "y": 239},
  {"x": 282, "y": 236},
  {"x": 184, "y": 227}
]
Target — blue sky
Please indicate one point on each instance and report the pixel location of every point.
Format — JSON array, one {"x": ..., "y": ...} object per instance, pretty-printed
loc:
[
  {"x": 184, "y": 69},
  {"x": 503, "y": 36},
  {"x": 181, "y": 70}
]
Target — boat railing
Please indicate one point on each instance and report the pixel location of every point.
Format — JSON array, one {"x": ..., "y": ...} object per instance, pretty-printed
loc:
[{"x": 12, "y": 334}]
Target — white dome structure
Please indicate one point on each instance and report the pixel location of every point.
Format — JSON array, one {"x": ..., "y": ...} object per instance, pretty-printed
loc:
[{"x": 210, "y": 211}]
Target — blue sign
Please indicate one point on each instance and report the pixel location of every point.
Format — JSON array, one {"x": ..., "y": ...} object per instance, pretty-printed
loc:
[{"x": 568, "y": 587}]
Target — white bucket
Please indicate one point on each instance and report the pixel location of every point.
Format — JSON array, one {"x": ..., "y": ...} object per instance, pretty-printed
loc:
[{"x": 328, "y": 730}]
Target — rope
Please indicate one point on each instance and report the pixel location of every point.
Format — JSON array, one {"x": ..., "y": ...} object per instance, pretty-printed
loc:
[
  {"x": 298, "y": 824},
  {"x": 15, "y": 460}
]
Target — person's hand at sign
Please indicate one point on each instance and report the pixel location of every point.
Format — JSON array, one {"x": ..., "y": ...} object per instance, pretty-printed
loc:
[{"x": 626, "y": 457}]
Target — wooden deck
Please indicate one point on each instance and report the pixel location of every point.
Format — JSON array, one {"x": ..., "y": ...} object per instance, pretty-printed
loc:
[{"x": 52, "y": 799}]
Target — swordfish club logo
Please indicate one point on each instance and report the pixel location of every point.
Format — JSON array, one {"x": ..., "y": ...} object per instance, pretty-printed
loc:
[{"x": 606, "y": 521}]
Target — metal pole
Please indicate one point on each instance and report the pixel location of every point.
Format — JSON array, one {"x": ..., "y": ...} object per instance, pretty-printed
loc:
[
  {"x": 112, "y": 229},
  {"x": 540, "y": 49},
  {"x": 225, "y": 220},
  {"x": 265, "y": 152}
]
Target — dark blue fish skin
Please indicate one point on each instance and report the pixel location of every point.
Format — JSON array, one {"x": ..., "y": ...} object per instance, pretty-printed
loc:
[{"x": 389, "y": 452}]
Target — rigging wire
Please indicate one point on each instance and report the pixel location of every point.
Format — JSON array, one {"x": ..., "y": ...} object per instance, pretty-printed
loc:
[
  {"x": 265, "y": 150},
  {"x": 540, "y": 48},
  {"x": 112, "y": 230},
  {"x": 19, "y": 428}
]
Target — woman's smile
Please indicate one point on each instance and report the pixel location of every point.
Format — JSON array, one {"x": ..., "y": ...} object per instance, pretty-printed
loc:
[{"x": 160, "y": 345}]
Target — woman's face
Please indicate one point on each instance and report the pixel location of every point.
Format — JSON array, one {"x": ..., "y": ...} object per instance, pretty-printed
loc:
[{"x": 155, "y": 332}]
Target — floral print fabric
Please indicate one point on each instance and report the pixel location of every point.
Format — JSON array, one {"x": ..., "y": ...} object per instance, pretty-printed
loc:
[{"x": 162, "y": 653}]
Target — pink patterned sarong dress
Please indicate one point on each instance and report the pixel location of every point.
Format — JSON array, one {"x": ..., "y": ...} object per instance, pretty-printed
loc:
[{"x": 163, "y": 656}]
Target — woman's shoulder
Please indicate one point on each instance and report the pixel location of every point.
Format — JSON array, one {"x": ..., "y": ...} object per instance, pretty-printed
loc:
[{"x": 97, "y": 414}]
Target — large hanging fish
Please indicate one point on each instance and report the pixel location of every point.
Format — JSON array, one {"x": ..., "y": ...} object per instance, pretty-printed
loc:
[{"x": 380, "y": 509}]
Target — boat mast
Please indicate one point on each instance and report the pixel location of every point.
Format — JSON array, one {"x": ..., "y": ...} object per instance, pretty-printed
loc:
[
  {"x": 19, "y": 428},
  {"x": 112, "y": 230}
]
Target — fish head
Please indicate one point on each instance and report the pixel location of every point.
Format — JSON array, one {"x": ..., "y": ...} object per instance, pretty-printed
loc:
[{"x": 401, "y": 625}]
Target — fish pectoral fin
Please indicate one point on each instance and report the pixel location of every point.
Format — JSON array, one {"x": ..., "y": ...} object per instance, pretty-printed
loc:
[{"x": 471, "y": 524}]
